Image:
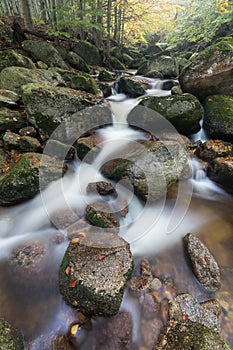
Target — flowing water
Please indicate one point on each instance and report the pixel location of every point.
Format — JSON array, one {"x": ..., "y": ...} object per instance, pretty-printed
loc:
[{"x": 153, "y": 231}]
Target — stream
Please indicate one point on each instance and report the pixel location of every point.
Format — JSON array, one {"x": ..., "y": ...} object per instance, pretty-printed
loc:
[{"x": 154, "y": 231}]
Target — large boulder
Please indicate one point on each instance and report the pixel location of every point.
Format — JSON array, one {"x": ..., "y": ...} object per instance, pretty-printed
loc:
[
  {"x": 42, "y": 51},
  {"x": 151, "y": 168},
  {"x": 132, "y": 86},
  {"x": 84, "y": 82},
  {"x": 10, "y": 338},
  {"x": 94, "y": 272},
  {"x": 166, "y": 66},
  {"x": 48, "y": 106},
  {"x": 186, "y": 335},
  {"x": 13, "y": 78},
  {"x": 184, "y": 112},
  {"x": 212, "y": 149},
  {"x": 88, "y": 52},
  {"x": 210, "y": 72},
  {"x": 26, "y": 177},
  {"x": 218, "y": 120},
  {"x": 10, "y": 120},
  {"x": 10, "y": 58},
  {"x": 77, "y": 62},
  {"x": 220, "y": 170}
]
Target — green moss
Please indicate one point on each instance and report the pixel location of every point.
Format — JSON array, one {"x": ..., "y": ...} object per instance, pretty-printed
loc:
[
  {"x": 222, "y": 45},
  {"x": 10, "y": 338},
  {"x": 84, "y": 82}
]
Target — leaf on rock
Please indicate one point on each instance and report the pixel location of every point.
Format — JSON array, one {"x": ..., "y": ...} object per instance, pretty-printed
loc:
[{"x": 73, "y": 283}]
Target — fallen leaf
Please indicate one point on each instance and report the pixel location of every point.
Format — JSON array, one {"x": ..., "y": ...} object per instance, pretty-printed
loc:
[
  {"x": 67, "y": 270},
  {"x": 207, "y": 260},
  {"x": 75, "y": 240},
  {"x": 185, "y": 317},
  {"x": 73, "y": 283},
  {"x": 101, "y": 257},
  {"x": 15, "y": 119},
  {"x": 74, "y": 329}
]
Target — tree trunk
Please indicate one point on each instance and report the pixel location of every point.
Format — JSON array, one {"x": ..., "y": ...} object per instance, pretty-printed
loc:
[
  {"x": 27, "y": 14},
  {"x": 43, "y": 10},
  {"x": 109, "y": 15}
]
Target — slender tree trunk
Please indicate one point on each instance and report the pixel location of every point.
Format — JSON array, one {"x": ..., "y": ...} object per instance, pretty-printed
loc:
[
  {"x": 43, "y": 10},
  {"x": 27, "y": 14},
  {"x": 109, "y": 15}
]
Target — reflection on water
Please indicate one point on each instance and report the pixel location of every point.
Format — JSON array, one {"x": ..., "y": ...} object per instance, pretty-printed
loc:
[{"x": 35, "y": 305}]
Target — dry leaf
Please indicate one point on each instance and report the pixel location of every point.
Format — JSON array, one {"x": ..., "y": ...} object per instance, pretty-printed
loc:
[
  {"x": 101, "y": 257},
  {"x": 67, "y": 270},
  {"x": 73, "y": 283},
  {"x": 74, "y": 329},
  {"x": 75, "y": 240}
]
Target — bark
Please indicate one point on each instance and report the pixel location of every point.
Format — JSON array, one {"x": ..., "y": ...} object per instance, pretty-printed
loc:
[{"x": 27, "y": 14}]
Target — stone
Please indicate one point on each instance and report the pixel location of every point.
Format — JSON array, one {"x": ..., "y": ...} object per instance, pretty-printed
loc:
[
  {"x": 184, "y": 112},
  {"x": 10, "y": 120},
  {"x": 84, "y": 82},
  {"x": 29, "y": 144},
  {"x": 10, "y": 58},
  {"x": 26, "y": 177},
  {"x": 105, "y": 75},
  {"x": 101, "y": 187},
  {"x": 88, "y": 52},
  {"x": 59, "y": 150},
  {"x": 11, "y": 140},
  {"x": 210, "y": 71},
  {"x": 203, "y": 264},
  {"x": 212, "y": 149},
  {"x": 77, "y": 62},
  {"x": 132, "y": 87},
  {"x": 10, "y": 338},
  {"x": 218, "y": 119},
  {"x": 94, "y": 272},
  {"x": 164, "y": 65},
  {"x": 45, "y": 52},
  {"x": 8, "y": 98},
  {"x": 116, "y": 64},
  {"x": 88, "y": 147},
  {"x": 220, "y": 170},
  {"x": 28, "y": 131},
  {"x": 101, "y": 214}
]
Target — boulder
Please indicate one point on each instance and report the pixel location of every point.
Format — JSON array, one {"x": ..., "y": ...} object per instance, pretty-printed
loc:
[
  {"x": 152, "y": 50},
  {"x": 165, "y": 65},
  {"x": 136, "y": 63},
  {"x": 42, "y": 51},
  {"x": 88, "y": 147},
  {"x": 29, "y": 144},
  {"x": 77, "y": 62},
  {"x": 184, "y": 112},
  {"x": 212, "y": 149},
  {"x": 220, "y": 170},
  {"x": 25, "y": 178},
  {"x": 11, "y": 140},
  {"x": 60, "y": 150},
  {"x": 10, "y": 120},
  {"x": 8, "y": 98},
  {"x": 218, "y": 119},
  {"x": 210, "y": 72},
  {"x": 13, "y": 78},
  {"x": 94, "y": 272},
  {"x": 186, "y": 335},
  {"x": 84, "y": 82},
  {"x": 10, "y": 338},
  {"x": 48, "y": 106},
  {"x": 203, "y": 264},
  {"x": 101, "y": 187},
  {"x": 105, "y": 75},
  {"x": 151, "y": 168},
  {"x": 28, "y": 131},
  {"x": 88, "y": 52},
  {"x": 101, "y": 214},
  {"x": 132, "y": 86},
  {"x": 116, "y": 64},
  {"x": 10, "y": 58}
]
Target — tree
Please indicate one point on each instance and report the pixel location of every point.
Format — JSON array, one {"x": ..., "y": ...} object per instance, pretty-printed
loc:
[{"x": 27, "y": 15}]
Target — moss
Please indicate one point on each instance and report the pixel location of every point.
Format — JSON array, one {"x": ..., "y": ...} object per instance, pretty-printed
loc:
[
  {"x": 10, "y": 338},
  {"x": 222, "y": 45},
  {"x": 84, "y": 82}
]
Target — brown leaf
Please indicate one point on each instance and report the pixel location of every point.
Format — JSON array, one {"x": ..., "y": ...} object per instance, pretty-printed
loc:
[
  {"x": 207, "y": 260},
  {"x": 101, "y": 257},
  {"x": 67, "y": 270},
  {"x": 15, "y": 119},
  {"x": 75, "y": 240},
  {"x": 73, "y": 283}
]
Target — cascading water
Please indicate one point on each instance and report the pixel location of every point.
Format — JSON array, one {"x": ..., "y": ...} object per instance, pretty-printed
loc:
[{"x": 145, "y": 228}]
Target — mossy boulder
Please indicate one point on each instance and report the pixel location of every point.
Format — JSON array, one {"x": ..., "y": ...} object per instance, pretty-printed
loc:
[
  {"x": 166, "y": 66},
  {"x": 42, "y": 51},
  {"x": 8, "y": 98},
  {"x": 210, "y": 72},
  {"x": 48, "y": 106},
  {"x": 132, "y": 86},
  {"x": 184, "y": 112},
  {"x": 88, "y": 147},
  {"x": 186, "y": 335},
  {"x": 84, "y": 82},
  {"x": 101, "y": 214},
  {"x": 11, "y": 140},
  {"x": 10, "y": 120},
  {"x": 25, "y": 177},
  {"x": 88, "y": 52},
  {"x": 220, "y": 170},
  {"x": 218, "y": 120},
  {"x": 10, "y": 58},
  {"x": 212, "y": 149},
  {"x": 10, "y": 338},
  {"x": 77, "y": 62},
  {"x": 29, "y": 144},
  {"x": 94, "y": 272},
  {"x": 115, "y": 63},
  {"x": 105, "y": 75},
  {"x": 13, "y": 78}
]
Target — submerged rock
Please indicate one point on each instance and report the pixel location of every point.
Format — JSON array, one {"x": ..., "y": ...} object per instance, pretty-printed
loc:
[
  {"x": 94, "y": 272},
  {"x": 10, "y": 338},
  {"x": 220, "y": 170},
  {"x": 10, "y": 58},
  {"x": 132, "y": 86},
  {"x": 88, "y": 147},
  {"x": 210, "y": 72},
  {"x": 101, "y": 187},
  {"x": 218, "y": 119},
  {"x": 184, "y": 112},
  {"x": 186, "y": 335},
  {"x": 26, "y": 177},
  {"x": 101, "y": 214},
  {"x": 203, "y": 264}
]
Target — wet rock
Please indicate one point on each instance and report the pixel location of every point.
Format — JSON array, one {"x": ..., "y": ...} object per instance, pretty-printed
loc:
[
  {"x": 218, "y": 120},
  {"x": 64, "y": 218},
  {"x": 132, "y": 87},
  {"x": 101, "y": 214},
  {"x": 168, "y": 85},
  {"x": 80, "y": 227},
  {"x": 48, "y": 106},
  {"x": 8, "y": 98},
  {"x": 13, "y": 78},
  {"x": 138, "y": 285},
  {"x": 203, "y": 264},
  {"x": 220, "y": 170},
  {"x": 152, "y": 168},
  {"x": 164, "y": 65},
  {"x": 184, "y": 112},
  {"x": 11, "y": 140},
  {"x": 101, "y": 187},
  {"x": 150, "y": 331},
  {"x": 212, "y": 149},
  {"x": 59, "y": 150},
  {"x": 210, "y": 72},
  {"x": 10, "y": 338},
  {"x": 176, "y": 90},
  {"x": 88, "y": 147},
  {"x": 42, "y": 51},
  {"x": 115, "y": 63},
  {"x": 105, "y": 75},
  {"x": 88, "y": 52},
  {"x": 29, "y": 144},
  {"x": 10, "y": 120},
  {"x": 28, "y": 131},
  {"x": 106, "y": 89},
  {"x": 77, "y": 62},
  {"x": 50, "y": 341},
  {"x": 10, "y": 58},
  {"x": 94, "y": 272},
  {"x": 27, "y": 176},
  {"x": 206, "y": 313},
  {"x": 84, "y": 82},
  {"x": 186, "y": 335},
  {"x": 145, "y": 269},
  {"x": 149, "y": 306}
]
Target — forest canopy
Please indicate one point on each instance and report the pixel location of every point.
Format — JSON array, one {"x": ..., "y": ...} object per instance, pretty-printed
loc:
[{"x": 125, "y": 21}]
